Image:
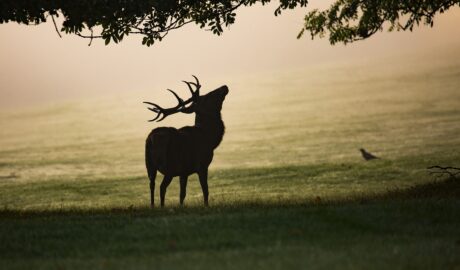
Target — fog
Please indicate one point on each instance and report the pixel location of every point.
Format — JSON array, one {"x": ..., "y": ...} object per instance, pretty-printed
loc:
[{"x": 38, "y": 67}]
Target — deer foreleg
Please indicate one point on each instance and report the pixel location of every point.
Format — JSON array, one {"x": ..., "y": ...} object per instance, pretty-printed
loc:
[
  {"x": 164, "y": 185},
  {"x": 203, "y": 175},
  {"x": 183, "y": 188},
  {"x": 152, "y": 187}
]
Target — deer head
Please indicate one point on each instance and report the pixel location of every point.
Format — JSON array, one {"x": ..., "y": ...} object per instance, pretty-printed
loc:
[{"x": 209, "y": 104}]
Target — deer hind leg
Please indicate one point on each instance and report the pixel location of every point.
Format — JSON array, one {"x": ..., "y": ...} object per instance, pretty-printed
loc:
[
  {"x": 164, "y": 185},
  {"x": 152, "y": 173},
  {"x": 183, "y": 188},
  {"x": 151, "y": 170},
  {"x": 203, "y": 176},
  {"x": 152, "y": 187}
]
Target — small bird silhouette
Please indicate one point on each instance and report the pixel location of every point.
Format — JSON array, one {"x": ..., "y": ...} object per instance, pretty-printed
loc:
[{"x": 367, "y": 155}]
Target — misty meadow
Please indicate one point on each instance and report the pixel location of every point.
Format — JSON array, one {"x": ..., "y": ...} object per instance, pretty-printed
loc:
[{"x": 288, "y": 184}]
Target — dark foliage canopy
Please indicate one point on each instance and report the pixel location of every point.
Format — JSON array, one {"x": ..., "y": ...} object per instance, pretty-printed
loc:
[
  {"x": 351, "y": 20},
  {"x": 345, "y": 21}
]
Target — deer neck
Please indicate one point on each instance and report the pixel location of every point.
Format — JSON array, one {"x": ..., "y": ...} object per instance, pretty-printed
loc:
[{"x": 212, "y": 127}]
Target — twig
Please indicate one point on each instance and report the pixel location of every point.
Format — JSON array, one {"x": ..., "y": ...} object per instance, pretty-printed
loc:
[
  {"x": 92, "y": 36},
  {"x": 55, "y": 26},
  {"x": 441, "y": 171}
]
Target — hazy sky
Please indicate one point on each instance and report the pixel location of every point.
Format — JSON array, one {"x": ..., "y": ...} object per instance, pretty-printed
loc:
[{"x": 39, "y": 67}]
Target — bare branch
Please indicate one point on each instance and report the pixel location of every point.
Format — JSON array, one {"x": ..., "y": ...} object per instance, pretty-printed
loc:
[
  {"x": 440, "y": 171},
  {"x": 55, "y": 26}
]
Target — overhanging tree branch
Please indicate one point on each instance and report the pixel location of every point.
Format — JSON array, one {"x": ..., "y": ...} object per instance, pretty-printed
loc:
[
  {"x": 351, "y": 20},
  {"x": 112, "y": 20}
]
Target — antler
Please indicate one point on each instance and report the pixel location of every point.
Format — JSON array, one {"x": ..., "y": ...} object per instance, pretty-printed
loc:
[
  {"x": 197, "y": 85},
  {"x": 162, "y": 113}
]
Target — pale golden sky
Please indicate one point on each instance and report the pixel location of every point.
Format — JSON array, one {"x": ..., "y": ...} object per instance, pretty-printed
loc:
[{"x": 39, "y": 67}]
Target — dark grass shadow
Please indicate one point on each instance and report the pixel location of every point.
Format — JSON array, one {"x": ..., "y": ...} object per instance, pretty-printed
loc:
[{"x": 448, "y": 188}]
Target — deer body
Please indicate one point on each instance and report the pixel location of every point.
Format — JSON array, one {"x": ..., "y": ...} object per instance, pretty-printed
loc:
[{"x": 182, "y": 152}]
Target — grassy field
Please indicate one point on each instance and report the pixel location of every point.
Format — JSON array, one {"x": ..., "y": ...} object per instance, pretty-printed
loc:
[
  {"x": 288, "y": 187},
  {"x": 403, "y": 233}
]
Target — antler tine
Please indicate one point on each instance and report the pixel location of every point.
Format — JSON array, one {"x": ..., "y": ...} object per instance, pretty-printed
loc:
[
  {"x": 163, "y": 117},
  {"x": 155, "y": 109},
  {"x": 197, "y": 81},
  {"x": 150, "y": 103},
  {"x": 181, "y": 101},
  {"x": 196, "y": 84},
  {"x": 155, "y": 106},
  {"x": 189, "y": 87},
  {"x": 156, "y": 117}
]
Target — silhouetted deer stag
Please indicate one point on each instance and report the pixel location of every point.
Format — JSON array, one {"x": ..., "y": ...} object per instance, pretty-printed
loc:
[{"x": 182, "y": 152}]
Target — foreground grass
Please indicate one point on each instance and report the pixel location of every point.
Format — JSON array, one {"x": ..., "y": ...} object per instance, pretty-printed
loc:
[{"x": 415, "y": 228}]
